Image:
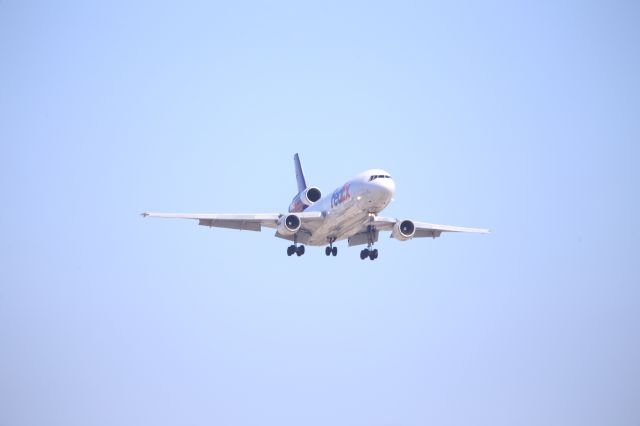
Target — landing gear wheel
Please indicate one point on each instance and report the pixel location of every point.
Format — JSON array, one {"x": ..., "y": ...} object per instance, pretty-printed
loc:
[
  {"x": 372, "y": 237},
  {"x": 331, "y": 250},
  {"x": 373, "y": 254},
  {"x": 300, "y": 250},
  {"x": 291, "y": 250}
]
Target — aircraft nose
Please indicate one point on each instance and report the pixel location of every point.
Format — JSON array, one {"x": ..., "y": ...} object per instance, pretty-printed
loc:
[{"x": 388, "y": 186}]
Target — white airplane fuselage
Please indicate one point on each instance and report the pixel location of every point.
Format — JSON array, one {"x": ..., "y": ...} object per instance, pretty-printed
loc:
[{"x": 349, "y": 207}]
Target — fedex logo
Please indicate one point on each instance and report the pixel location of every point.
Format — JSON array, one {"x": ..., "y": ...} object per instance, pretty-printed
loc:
[{"x": 340, "y": 195}]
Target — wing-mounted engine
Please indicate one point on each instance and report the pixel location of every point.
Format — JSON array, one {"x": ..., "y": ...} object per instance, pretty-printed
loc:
[
  {"x": 305, "y": 199},
  {"x": 403, "y": 230},
  {"x": 288, "y": 225}
]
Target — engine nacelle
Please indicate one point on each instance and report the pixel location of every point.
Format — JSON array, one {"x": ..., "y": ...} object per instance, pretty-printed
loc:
[
  {"x": 304, "y": 199},
  {"x": 403, "y": 230},
  {"x": 289, "y": 225}
]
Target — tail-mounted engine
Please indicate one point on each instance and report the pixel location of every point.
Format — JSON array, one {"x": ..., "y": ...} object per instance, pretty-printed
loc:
[
  {"x": 403, "y": 230},
  {"x": 304, "y": 199},
  {"x": 289, "y": 225}
]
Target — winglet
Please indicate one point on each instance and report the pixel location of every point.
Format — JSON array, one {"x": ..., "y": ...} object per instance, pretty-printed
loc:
[{"x": 302, "y": 184}]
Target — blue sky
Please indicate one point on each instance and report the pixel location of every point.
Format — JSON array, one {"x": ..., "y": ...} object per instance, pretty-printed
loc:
[{"x": 518, "y": 117}]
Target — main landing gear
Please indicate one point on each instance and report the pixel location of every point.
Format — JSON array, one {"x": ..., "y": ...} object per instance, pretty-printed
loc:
[
  {"x": 331, "y": 250},
  {"x": 295, "y": 249},
  {"x": 369, "y": 252}
]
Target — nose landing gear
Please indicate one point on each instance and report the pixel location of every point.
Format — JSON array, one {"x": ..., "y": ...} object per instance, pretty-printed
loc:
[{"x": 370, "y": 252}]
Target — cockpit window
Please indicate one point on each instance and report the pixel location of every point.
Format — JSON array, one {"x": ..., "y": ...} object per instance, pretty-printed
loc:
[{"x": 374, "y": 177}]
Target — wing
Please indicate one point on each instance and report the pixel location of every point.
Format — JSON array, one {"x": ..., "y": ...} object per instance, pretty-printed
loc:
[
  {"x": 245, "y": 222},
  {"x": 424, "y": 229}
]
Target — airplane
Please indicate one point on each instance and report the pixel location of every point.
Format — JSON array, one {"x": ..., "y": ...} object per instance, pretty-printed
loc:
[{"x": 348, "y": 213}]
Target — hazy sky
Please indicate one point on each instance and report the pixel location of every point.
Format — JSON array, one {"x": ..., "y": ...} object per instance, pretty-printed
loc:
[{"x": 519, "y": 117}]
